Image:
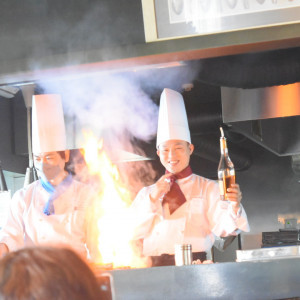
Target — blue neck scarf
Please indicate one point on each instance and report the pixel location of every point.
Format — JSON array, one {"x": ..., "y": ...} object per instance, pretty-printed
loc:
[{"x": 54, "y": 193}]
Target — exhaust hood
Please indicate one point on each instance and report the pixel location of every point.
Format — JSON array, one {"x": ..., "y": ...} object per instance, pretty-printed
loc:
[{"x": 268, "y": 116}]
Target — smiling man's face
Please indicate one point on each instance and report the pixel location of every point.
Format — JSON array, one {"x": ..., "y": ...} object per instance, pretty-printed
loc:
[{"x": 175, "y": 155}]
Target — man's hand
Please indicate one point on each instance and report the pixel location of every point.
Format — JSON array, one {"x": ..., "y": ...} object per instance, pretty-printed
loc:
[
  {"x": 234, "y": 195},
  {"x": 161, "y": 187},
  {"x": 3, "y": 249}
]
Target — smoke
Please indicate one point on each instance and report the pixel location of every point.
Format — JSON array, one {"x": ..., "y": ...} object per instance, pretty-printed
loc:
[
  {"x": 115, "y": 109},
  {"x": 108, "y": 103},
  {"x": 121, "y": 109}
]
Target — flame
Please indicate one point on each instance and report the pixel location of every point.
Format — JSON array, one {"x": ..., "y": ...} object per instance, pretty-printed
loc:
[{"x": 114, "y": 228}]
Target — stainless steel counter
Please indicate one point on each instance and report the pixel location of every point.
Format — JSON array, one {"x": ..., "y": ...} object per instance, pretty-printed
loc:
[{"x": 265, "y": 279}]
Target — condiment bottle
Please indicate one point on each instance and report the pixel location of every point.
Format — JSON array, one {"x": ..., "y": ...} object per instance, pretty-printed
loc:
[{"x": 226, "y": 172}]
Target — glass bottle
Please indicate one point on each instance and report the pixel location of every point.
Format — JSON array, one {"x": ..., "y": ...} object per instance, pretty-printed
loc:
[{"x": 226, "y": 172}]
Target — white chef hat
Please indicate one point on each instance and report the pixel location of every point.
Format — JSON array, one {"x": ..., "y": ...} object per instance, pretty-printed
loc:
[
  {"x": 172, "y": 118},
  {"x": 48, "y": 126}
]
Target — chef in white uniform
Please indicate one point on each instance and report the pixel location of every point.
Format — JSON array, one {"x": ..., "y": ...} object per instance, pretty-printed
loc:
[
  {"x": 53, "y": 209},
  {"x": 182, "y": 207}
]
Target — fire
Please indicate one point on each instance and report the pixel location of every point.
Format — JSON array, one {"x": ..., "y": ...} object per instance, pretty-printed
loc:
[{"x": 114, "y": 227}]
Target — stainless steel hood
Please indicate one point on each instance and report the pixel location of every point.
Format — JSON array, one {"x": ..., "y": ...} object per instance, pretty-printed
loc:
[{"x": 268, "y": 116}]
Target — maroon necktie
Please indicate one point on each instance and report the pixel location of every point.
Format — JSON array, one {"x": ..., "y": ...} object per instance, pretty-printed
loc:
[{"x": 175, "y": 198}]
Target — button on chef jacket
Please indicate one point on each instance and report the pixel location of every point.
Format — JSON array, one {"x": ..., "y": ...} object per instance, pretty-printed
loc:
[
  {"x": 202, "y": 217},
  {"x": 27, "y": 225}
]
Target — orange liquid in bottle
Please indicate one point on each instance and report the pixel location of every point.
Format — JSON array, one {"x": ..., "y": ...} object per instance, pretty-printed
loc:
[{"x": 227, "y": 181}]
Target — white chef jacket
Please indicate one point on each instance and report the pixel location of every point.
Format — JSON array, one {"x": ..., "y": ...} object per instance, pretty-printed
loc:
[
  {"x": 27, "y": 225},
  {"x": 202, "y": 217}
]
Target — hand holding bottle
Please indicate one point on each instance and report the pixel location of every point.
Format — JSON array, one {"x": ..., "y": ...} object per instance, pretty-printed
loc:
[
  {"x": 229, "y": 189},
  {"x": 234, "y": 195}
]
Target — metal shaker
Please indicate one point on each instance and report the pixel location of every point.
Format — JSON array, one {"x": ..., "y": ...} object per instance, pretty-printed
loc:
[{"x": 183, "y": 254}]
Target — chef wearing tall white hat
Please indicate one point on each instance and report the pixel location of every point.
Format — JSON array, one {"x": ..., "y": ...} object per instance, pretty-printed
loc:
[
  {"x": 51, "y": 210},
  {"x": 182, "y": 207}
]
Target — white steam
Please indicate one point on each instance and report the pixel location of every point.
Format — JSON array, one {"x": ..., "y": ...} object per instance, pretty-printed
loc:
[{"x": 108, "y": 103}]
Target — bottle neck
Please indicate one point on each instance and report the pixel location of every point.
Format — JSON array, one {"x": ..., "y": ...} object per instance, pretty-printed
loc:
[{"x": 223, "y": 147}]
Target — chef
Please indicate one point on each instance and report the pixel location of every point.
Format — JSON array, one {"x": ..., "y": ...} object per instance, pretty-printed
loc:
[
  {"x": 53, "y": 209},
  {"x": 182, "y": 207}
]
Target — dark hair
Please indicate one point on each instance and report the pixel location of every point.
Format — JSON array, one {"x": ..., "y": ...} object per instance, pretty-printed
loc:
[
  {"x": 46, "y": 273},
  {"x": 68, "y": 164},
  {"x": 62, "y": 154}
]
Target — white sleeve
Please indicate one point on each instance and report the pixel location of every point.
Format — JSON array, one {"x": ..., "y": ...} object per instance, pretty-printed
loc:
[
  {"x": 143, "y": 213},
  {"x": 223, "y": 221},
  {"x": 12, "y": 233}
]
